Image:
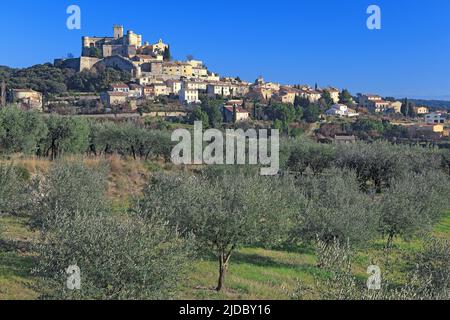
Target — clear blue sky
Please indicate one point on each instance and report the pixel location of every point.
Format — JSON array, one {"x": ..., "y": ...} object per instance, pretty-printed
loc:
[{"x": 289, "y": 41}]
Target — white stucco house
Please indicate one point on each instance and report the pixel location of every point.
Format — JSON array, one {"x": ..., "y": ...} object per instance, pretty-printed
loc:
[{"x": 341, "y": 110}]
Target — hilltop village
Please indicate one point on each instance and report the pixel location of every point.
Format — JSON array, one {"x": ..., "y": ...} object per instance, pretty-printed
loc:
[{"x": 156, "y": 85}]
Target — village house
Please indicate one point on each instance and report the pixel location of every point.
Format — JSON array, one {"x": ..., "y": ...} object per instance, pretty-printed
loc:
[
  {"x": 374, "y": 103},
  {"x": 395, "y": 107},
  {"x": 420, "y": 111},
  {"x": 156, "y": 49},
  {"x": 261, "y": 93},
  {"x": 436, "y": 131},
  {"x": 435, "y": 118},
  {"x": 136, "y": 91},
  {"x": 313, "y": 96},
  {"x": 113, "y": 98},
  {"x": 198, "y": 70},
  {"x": 287, "y": 95},
  {"x": 148, "y": 78},
  {"x": 239, "y": 89},
  {"x": 189, "y": 96},
  {"x": 334, "y": 93},
  {"x": 234, "y": 113},
  {"x": 178, "y": 69},
  {"x": 366, "y": 100},
  {"x": 174, "y": 86},
  {"x": 120, "y": 88},
  {"x": 212, "y": 77},
  {"x": 156, "y": 90},
  {"x": 341, "y": 110},
  {"x": 218, "y": 89},
  {"x": 345, "y": 139},
  {"x": 27, "y": 99},
  {"x": 195, "y": 85}
]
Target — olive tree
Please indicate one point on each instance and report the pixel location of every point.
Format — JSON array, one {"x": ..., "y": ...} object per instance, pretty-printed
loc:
[
  {"x": 130, "y": 140},
  {"x": 223, "y": 212},
  {"x": 376, "y": 164},
  {"x": 20, "y": 131},
  {"x": 66, "y": 135},
  {"x": 12, "y": 189},
  {"x": 69, "y": 187},
  {"x": 413, "y": 204},
  {"x": 335, "y": 209},
  {"x": 118, "y": 258},
  {"x": 309, "y": 155},
  {"x": 427, "y": 279}
]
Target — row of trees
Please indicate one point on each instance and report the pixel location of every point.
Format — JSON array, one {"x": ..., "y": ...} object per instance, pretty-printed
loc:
[{"x": 32, "y": 133}]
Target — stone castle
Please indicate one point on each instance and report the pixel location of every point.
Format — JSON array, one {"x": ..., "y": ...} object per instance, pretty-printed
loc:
[
  {"x": 128, "y": 45},
  {"x": 121, "y": 51}
]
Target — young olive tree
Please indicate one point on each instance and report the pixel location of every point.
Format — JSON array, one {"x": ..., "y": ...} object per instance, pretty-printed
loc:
[
  {"x": 335, "y": 209},
  {"x": 306, "y": 154},
  {"x": 428, "y": 279},
  {"x": 118, "y": 258},
  {"x": 413, "y": 204},
  {"x": 376, "y": 164},
  {"x": 130, "y": 140},
  {"x": 21, "y": 131},
  {"x": 66, "y": 135},
  {"x": 223, "y": 212},
  {"x": 12, "y": 190},
  {"x": 69, "y": 187}
]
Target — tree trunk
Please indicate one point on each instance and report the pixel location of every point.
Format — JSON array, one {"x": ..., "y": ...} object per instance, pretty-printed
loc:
[
  {"x": 222, "y": 272},
  {"x": 390, "y": 242}
]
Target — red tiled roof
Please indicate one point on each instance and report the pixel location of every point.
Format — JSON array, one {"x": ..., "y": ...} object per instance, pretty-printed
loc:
[
  {"x": 120, "y": 85},
  {"x": 238, "y": 110},
  {"x": 118, "y": 94}
]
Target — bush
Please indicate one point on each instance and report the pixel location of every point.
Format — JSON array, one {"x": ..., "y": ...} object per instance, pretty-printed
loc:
[{"x": 428, "y": 280}]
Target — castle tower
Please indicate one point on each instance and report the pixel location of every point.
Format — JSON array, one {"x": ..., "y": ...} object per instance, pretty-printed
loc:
[{"x": 118, "y": 32}]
